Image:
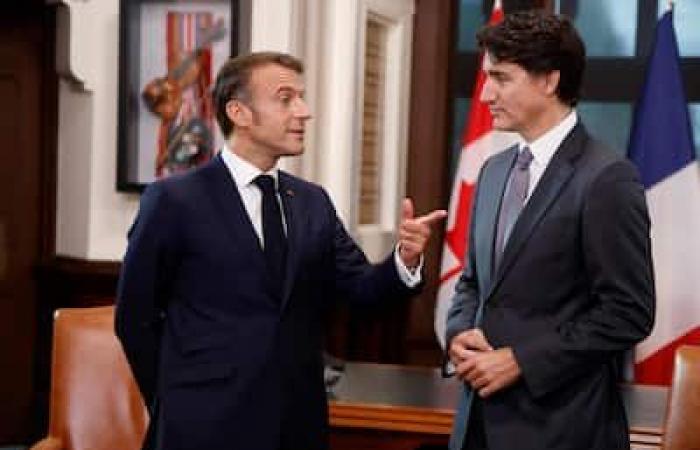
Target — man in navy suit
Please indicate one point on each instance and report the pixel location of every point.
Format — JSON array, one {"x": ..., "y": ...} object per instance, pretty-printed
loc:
[
  {"x": 558, "y": 280},
  {"x": 229, "y": 269}
]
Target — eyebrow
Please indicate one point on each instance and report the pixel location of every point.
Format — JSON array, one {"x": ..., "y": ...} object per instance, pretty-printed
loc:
[
  {"x": 496, "y": 72},
  {"x": 285, "y": 88}
]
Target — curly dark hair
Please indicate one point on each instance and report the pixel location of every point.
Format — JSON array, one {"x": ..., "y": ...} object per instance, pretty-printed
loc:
[
  {"x": 539, "y": 42},
  {"x": 234, "y": 77}
]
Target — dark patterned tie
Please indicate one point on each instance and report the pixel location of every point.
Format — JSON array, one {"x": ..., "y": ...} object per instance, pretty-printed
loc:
[
  {"x": 513, "y": 201},
  {"x": 274, "y": 239}
]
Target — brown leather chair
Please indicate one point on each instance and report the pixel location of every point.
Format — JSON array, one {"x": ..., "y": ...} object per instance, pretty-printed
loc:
[
  {"x": 95, "y": 403},
  {"x": 682, "y": 429}
]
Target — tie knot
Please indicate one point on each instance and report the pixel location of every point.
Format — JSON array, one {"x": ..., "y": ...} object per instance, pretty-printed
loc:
[
  {"x": 266, "y": 183},
  {"x": 524, "y": 159}
]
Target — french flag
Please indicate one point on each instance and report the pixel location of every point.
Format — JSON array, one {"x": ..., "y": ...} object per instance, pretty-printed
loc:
[
  {"x": 479, "y": 142},
  {"x": 661, "y": 145}
]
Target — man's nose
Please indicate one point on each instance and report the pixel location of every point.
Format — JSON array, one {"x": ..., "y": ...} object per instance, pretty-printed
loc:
[
  {"x": 487, "y": 93},
  {"x": 302, "y": 110}
]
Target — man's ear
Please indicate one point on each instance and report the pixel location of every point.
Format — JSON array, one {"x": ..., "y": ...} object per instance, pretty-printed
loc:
[
  {"x": 551, "y": 82},
  {"x": 239, "y": 114}
]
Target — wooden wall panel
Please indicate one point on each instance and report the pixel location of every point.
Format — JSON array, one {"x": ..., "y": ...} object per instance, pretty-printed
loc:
[{"x": 427, "y": 177}]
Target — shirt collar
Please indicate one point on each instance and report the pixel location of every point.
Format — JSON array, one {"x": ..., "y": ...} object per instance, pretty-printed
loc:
[
  {"x": 242, "y": 171},
  {"x": 544, "y": 147}
]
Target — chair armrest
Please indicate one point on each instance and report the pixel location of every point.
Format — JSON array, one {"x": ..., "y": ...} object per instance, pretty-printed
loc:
[{"x": 49, "y": 443}]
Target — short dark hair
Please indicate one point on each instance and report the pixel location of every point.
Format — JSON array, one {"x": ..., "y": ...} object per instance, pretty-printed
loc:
[
  {"x": 233, "y": 80},
  {"x": 540, "y": 42}
]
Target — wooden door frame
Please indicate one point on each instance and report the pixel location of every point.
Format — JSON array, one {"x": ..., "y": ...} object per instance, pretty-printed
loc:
[
  {"x": 49, "y": 136},
  {"x": 48, "y": 163},
  {"x": 427, "y": 169}
]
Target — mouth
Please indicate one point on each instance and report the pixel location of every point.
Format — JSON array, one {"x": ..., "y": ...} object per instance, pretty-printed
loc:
[{"x": 297, "y": 133}]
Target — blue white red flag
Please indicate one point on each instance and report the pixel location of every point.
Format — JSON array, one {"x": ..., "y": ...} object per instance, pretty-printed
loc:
[{"x": 661, "y": 145}]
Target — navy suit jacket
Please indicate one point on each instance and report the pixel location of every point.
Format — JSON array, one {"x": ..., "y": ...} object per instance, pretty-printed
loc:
[
  {"x": 573, "y": 290},
  {"x": 222, "y": 361}
]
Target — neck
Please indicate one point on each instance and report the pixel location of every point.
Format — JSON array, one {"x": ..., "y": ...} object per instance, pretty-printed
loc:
[
  {"x": 245, "y": 149},
  {"x": 548, "y": 119}
]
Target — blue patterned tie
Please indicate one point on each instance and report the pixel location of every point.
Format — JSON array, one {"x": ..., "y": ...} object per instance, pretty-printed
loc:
[
  {"x": 274, "y": 239},
  {"x": 513, "y": 201}
]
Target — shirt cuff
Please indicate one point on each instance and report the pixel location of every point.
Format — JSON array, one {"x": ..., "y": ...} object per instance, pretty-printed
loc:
[{"x": 410, "y": 277}]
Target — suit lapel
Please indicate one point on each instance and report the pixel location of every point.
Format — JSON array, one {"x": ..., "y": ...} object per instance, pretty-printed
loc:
[
  {"x": 296, "y": 219},
  {"x": 228, "y": 203},
  {"x": 492, "y": 187},
  {"x": 556, "y": 176}
]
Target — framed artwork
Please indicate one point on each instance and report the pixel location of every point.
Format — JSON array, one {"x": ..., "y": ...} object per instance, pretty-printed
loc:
[{"x": 169, "y": 54}]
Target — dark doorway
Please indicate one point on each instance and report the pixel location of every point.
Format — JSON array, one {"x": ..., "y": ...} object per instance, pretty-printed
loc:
[{"x": 27, "y": 106}]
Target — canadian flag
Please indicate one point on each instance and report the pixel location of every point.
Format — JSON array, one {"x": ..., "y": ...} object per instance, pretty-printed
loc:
[{"x": 479, "y": 142}]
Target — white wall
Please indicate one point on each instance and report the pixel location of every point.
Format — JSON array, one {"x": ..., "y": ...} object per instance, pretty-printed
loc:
[
  {"x": 330, "y": 39},
  {"x": 91, "y": 217}
]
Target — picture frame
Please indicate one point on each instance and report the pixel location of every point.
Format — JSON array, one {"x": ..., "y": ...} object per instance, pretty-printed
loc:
[{"x": 169, "y": 54}]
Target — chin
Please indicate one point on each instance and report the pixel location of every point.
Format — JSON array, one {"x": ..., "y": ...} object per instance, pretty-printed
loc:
[
  {"x": 502, "y": 125},
  {"x": 293, "y": 151}
]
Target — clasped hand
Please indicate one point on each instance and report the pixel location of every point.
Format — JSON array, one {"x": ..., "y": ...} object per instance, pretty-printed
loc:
[{"x": 487, "y": 370}]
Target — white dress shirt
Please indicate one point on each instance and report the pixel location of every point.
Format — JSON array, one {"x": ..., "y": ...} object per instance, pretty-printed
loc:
[
  {"x": 243, "y": 174},
  {"x": 544, "y": 147}
]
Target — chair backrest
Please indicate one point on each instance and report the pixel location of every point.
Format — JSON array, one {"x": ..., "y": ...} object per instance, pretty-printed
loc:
[
  {"x": 682, "y": 429},
  {"x": 95, "y": 403}
]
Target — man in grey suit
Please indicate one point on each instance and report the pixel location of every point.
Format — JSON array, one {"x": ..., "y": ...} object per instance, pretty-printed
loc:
[{"x": 558, "y": 280}]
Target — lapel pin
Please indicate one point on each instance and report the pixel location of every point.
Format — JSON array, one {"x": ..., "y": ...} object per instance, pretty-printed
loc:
[{"x": 290, "y": 192}]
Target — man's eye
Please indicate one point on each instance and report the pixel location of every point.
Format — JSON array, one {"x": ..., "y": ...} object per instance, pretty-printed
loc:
[{"x": 286, "y": 99}]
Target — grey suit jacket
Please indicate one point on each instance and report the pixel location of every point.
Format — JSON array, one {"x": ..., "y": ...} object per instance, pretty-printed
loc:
[{"x": 574, "y": 289}]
